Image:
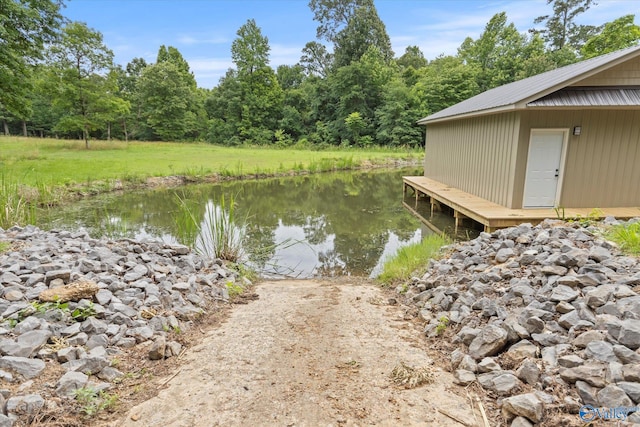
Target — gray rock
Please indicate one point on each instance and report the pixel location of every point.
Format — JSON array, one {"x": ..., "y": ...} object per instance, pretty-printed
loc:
[
  {"x": 631, "y": 372},
  {"x": 599, "y": 296},
  {"x": 525, "y": 405},
  {"x": 569, "y": 319},
  {"x": 88, "y": 365},
  {"x": 78, "y": 340},
  {"x": 587, "y": 393},
  {"x": 599, "y": 254},
  {"x": 488, "y": 342},
  {"x": 602, "y": 351},
  {"x": 463, "y": 377},
  {"x": 563, "y": 293},
  {"x": 592, "y": 373},
  {"x": 632, "y": 389},
  {"x": 521, "y": 422},
  {"x": 613, "y": 374},
  {"x": 625, "y": 354},
  {"x": 93, "y": 326},
  {"x": 27, "y": 325},
  {"x": 548, "y": 339},
  {"x": 613, "y": 396},
  {"x": 174, "y": 348},
  {"x": 504, "y": 254},
  {"x": 523, "y": 350},
  {"x": 468, "y": 363},
  {"x": 564, "y": 307},
  {"x": 5, "y": 421},
  {"x": 28, "y": 368},
  {"x": 140, "y": 334},
  {"x": 97, "y": 341},
  {"x": 630, "y": 333},
  {"x": 467, "y": 334},
  {"x": 70, "y": 382},
  {"x": 157, "y": 351},
  {"x": 582, "y": 340},
  {"x": 570, "y": 361},
  {"x": 505, "y": 384},
  {"x": 110, "y": 374},
  {"x": 534, "y": 325},
  {"x": 609, "y": 323},
  {"x": 66, "y": 354},
  {"x": 554, "y": 270},
  {"x": 72, "y": 329},
  {"x": 30, "y": 404},
  {"x": 528, "y": 372},
  {"x": 488, "y": 364}
]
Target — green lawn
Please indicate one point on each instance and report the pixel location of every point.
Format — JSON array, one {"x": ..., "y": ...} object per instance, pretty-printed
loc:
[{"x": 50, "y": 162}]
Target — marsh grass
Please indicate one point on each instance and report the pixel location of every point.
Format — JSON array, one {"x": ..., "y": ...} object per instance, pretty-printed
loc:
[
  {"x": 16, "y": 207},
  {"x": 411, "y": 258},
  {"x": 626, "y": 236},
  {"x": 220, "y": 234},
  {"x": 112, "y": 226}
]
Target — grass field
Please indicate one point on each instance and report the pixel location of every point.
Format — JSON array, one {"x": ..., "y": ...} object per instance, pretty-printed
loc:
[
  {"x": 38, "y": 172},
  {"x": 34, "y": 161}
]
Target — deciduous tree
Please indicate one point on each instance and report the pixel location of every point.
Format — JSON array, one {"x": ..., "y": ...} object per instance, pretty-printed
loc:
[
  {"x": 26, "y": 26},
  {"x": 82, "y": 63},
  {"x": 616, "y": 35}
]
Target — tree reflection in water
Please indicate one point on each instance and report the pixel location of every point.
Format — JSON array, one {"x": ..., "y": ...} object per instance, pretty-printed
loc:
[{"x": 317, "y": 225}]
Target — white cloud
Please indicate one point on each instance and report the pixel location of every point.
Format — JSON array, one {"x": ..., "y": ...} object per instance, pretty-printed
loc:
[
  {"x": 284, "y": 54},
  {"x": 195, "y": 39}
]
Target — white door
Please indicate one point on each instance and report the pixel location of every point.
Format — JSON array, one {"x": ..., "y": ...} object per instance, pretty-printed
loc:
[{"x": 543, "y": 169}]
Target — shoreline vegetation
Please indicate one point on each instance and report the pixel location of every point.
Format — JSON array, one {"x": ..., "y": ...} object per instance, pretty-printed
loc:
[{"x": 41, "y": 173}]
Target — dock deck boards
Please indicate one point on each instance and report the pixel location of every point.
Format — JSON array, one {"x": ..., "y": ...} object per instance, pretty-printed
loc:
[{"x": 494, "y": 216}]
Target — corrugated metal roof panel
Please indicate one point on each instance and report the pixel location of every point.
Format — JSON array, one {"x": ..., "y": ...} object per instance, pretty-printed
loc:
[
  {"x": 590, "y": 98},
  {"x": 512, "y": 93}
]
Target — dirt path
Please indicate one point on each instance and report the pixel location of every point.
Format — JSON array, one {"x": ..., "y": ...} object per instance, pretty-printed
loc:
[{"x": 306, "y": 353}]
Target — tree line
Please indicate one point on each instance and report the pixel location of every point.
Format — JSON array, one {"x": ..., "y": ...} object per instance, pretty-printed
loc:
[{"x": 58, "y": 78}]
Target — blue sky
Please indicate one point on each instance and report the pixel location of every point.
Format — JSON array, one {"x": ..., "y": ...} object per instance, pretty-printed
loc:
[{"x": 203, "y": 30}]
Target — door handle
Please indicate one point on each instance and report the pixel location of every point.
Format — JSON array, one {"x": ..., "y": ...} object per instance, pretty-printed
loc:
[{"x": 557, "y": 173}]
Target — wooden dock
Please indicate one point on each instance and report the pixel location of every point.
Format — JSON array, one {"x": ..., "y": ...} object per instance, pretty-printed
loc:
[{"x": 489, "y": 214}]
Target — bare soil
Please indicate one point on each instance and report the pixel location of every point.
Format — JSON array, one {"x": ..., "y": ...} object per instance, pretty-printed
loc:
[{"x": 305, "y": 353}]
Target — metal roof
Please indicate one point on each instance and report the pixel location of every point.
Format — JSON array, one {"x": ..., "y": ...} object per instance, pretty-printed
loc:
[
  {"x": 507, "y": 97},
  {"x": 589, "y": 97}
]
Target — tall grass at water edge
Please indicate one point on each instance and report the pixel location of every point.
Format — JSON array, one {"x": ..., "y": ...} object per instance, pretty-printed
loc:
[
  {"x": 219, "y": 234},
  {"x": 626, "y": 236},
  {"x": 411, "y": 258},
  {"x": 15, "y": 207}
]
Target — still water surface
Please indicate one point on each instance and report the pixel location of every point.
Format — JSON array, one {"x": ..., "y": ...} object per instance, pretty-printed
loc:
[{"x": 311, "y": 226}]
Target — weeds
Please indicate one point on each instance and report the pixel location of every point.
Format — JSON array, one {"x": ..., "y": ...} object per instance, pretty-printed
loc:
[
  {"x": 443, "y": 323},
  {"x": 626, "y": 236},
  {"x": 15, "y": 207},
  {"x": 219, "y": 235},
  {"x": 234, "y": 289},
  {"x": 92, "y": 401},
  {"x": 411, "y": 258},
  {"x": 409, "y": 377},
  {"x": 4, "y": 246},
  {"x": 112, "y": 226}
]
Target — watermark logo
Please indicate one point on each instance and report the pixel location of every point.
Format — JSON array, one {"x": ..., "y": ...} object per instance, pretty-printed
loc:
[{"x": 590, "y": 413}]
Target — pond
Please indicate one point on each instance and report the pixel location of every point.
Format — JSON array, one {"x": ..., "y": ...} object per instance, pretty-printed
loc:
[{"x": 319, "y": 225}]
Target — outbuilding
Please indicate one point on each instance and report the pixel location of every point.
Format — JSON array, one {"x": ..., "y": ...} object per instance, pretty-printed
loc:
[{"x": 567, "y": 138}]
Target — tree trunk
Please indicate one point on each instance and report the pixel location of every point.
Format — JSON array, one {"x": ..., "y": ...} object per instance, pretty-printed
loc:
[
  {"x": 6, "y": 127},
  {"x": 85, "y": 133},
  {"x": 24, "y": 128},
  {"x": 124, "y": 129},
  {"x": 109, "y": 131}
]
